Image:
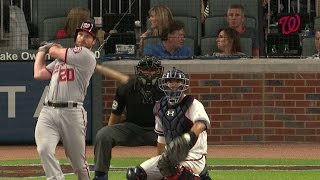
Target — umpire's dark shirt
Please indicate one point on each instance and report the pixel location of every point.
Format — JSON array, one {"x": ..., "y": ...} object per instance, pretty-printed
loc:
[{"x": 136, "y": 112}]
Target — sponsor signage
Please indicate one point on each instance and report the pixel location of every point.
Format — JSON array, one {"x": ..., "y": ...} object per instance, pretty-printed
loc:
[
  {"x": 290, "y": 24},
  {"x": 21, "y": 100},
  {"x": 28, "y": 55}
]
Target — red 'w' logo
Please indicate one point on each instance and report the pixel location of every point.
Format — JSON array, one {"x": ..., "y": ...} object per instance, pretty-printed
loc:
[{"x": 290, "y": 24}]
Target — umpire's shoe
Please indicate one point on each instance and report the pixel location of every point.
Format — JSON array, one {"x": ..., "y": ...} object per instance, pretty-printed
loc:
[{"x": 100, "y": 178}]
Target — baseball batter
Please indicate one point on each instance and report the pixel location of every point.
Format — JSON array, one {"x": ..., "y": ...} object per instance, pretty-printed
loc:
[
  {"x": 63, "y": 116},
  {"x": 181, "y": 123}
]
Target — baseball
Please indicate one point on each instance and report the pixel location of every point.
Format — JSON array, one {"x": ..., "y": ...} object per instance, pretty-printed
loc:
[
  {"x": 137, "y": 23},
  {"x": 187, "y": 137}
]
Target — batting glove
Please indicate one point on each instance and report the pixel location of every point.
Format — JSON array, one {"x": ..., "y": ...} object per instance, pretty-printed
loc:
[{"x": 45, "y": 46}]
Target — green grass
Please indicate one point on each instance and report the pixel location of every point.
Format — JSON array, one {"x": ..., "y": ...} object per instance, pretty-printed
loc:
[
  {"x": 230, "y": 175},
  {"x": 124, "y": 162},
  {"x": 257, "y": 161},
  {"x": 215, "y": 174},
  {"x": 265, "y": 175}
]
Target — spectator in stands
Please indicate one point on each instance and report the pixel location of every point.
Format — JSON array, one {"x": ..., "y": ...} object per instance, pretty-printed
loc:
[
  {"x": 316, "y": 43},
  {"x": 235, "y": 19},
  {"x": 75, "y": 16},
  {"x": 228, "y": 43},
  {"x": 172, "y": 43},
  {"x": 160, "y": 17}
]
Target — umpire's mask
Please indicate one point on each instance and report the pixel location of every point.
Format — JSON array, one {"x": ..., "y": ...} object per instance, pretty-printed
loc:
[{"x": 148, "y": 71}]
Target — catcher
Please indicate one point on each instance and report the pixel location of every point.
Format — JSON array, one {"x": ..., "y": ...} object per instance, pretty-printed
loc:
[{"x": 181, "y": 123}]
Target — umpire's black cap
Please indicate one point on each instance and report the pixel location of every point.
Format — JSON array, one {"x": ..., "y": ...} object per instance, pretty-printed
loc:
[{"x": 87, "y": 26}]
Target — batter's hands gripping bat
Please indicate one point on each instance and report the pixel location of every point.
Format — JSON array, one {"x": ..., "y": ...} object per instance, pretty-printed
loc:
[
  {"x": 112, "y": 74},
  {"x": 45, "y": 46}
]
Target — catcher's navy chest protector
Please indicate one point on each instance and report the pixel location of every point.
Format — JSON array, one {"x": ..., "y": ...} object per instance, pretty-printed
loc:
[{"x": 174, "y": 121}]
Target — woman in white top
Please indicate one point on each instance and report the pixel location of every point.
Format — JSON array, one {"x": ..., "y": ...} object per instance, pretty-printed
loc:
[{"x": 160, "y": 17}]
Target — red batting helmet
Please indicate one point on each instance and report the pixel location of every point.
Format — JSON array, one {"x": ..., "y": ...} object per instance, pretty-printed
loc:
[{"x": 87, "y": 26}]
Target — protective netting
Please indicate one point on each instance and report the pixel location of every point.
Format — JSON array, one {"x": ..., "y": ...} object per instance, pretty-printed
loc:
[{"x": 284, "y": 28}]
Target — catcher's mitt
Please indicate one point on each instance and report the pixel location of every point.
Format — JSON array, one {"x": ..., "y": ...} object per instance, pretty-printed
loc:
[{"x": 176, "y": 152}]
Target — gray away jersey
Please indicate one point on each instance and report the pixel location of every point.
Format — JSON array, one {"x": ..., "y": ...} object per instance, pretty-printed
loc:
[{"x": 70, "y": 78}]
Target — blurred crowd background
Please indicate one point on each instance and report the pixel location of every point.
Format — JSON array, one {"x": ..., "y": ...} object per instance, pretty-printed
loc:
[{"x": 277, "y": 28}]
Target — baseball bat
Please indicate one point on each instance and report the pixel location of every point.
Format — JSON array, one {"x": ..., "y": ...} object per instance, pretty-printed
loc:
[
  {"x": 108, "y": 72},
  {"x": 113, "y": 74}
]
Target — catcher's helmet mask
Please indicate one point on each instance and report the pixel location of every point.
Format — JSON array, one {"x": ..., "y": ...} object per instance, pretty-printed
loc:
[
  {"x": 173, "y": 84},
  {"x": 148, "y": 71}
]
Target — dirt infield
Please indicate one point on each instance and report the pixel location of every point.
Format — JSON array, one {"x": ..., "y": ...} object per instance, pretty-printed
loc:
[{"x": 297, "y": 151}]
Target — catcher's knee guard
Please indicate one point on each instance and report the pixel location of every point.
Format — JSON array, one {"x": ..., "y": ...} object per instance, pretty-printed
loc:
[{"x": 136, "y": 173}]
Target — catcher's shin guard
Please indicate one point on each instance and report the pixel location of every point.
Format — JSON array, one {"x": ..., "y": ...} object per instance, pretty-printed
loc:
[
  {"x": 204, "y": 175},
  {"x": 136, "y": 173}
]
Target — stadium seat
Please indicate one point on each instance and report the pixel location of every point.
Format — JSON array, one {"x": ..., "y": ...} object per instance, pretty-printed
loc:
[
  {"x": 190, "y": 42},
  {"x": 209, "y": 45},
  {"x": 69, "y": 43},
  {"x": 46, "y": 8},
  {"x": 181, "y": 8},
  {"x": 308, "y": 47},
  {"x": 65, "y": 42},
  {"x": 317, "y": 21},
  {"x": 151, "y": 40},
  {"x": 246, "y": 46},
  {"x": 220, "y": 7},
  {"x": 214, "y": 23},
  {"x": 51, "y": 26}
]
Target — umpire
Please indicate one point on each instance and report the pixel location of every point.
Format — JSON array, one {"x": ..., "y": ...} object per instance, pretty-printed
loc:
[{"x": 138, "y": 97}]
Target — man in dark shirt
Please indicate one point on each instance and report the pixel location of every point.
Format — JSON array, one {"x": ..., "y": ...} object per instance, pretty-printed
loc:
[
  {"x": 138, "y": 97},
  {"x": 235, "y": 19},
  {"x": 316, "y": 44}
]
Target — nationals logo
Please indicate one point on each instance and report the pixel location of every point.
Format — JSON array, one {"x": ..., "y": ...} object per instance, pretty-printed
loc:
[
  {"x": 77, "y": 49},
  {"x": 290, "y": 24}
]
